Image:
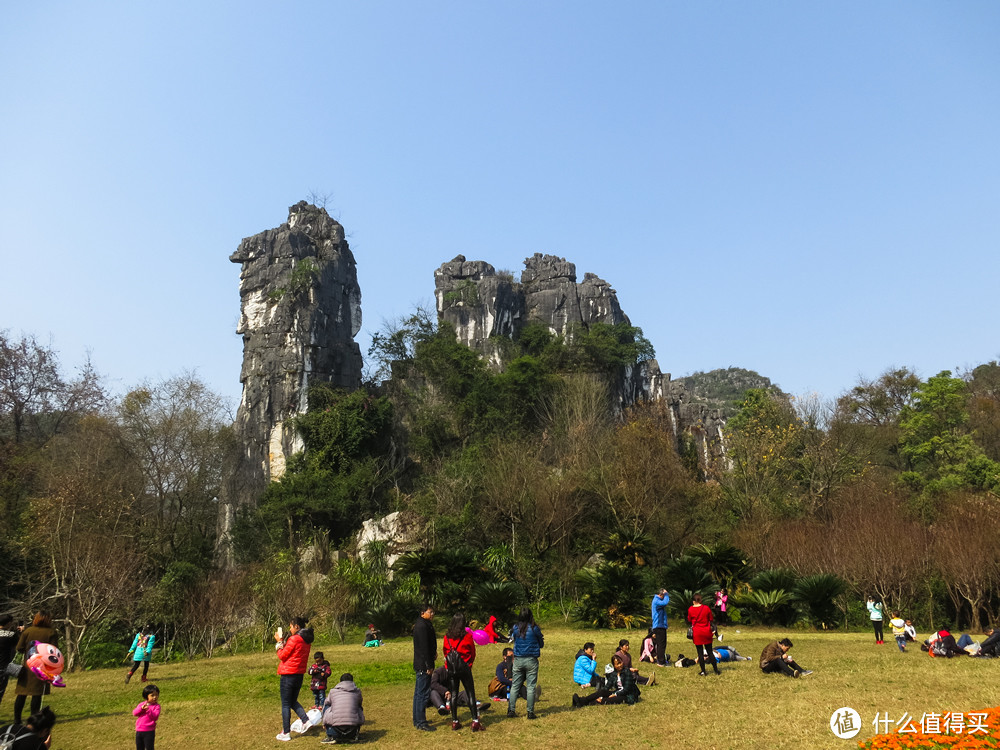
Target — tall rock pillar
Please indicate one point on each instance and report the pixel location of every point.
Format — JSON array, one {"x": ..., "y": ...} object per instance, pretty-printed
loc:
[{"x": 300, "y": 310}]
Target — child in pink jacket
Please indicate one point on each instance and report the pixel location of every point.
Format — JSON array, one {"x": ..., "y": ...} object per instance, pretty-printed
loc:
[{"x": 147, "y": 713}]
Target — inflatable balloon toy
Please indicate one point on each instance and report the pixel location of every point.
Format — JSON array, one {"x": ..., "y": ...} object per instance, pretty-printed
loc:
[
  {"x": 481, "y": 637},
  {"x": 46, "y": 663}
]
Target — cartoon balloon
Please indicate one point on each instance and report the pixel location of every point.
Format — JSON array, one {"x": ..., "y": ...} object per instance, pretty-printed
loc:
[{"x": 46, "y": 663}]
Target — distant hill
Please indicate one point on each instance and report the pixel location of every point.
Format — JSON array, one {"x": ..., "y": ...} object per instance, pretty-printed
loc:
[{"x": 723, "y": 389}]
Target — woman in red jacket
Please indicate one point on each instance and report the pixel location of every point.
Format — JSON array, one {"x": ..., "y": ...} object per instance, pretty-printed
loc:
[
  {"x": 700, "y": 619},
  {"x": 293, "y": 661},
  {"x": 459, "y": 656}
]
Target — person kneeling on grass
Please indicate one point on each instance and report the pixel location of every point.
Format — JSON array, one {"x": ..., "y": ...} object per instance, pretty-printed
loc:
[
  {"x": 775, "y": 658},
  {"x": 342, "y": 711},
  {"x": 619, "y": 687}
]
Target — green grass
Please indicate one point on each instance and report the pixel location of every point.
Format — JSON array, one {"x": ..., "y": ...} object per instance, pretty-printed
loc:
[{"x": 232, "y": 702}]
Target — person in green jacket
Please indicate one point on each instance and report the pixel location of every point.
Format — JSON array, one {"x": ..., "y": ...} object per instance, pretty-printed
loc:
[{"x": 141, "y": 651}]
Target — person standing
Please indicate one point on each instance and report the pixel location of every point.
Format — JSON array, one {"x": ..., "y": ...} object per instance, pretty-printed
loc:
[
  {"x": 28, "y": 684},
  {"x": 147, "y": 714},
  {"x": 528, "y": 644},
  {"x": 700, "y": 618},
  {"x": 875, "y": 615},
  {"x": 141, "y": 651},
  {"x": 460, "y": 654},
  {"x": 721, "y": 600},
  {"x": 659, "y": 610},
  {"x": 8, "y": 642},
  {"x": 424, "y": 655},
  {"x": 293, "y": 661}
]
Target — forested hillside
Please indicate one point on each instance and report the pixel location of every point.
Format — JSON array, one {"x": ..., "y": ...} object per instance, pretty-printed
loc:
[{"x": 516, "y": 485}]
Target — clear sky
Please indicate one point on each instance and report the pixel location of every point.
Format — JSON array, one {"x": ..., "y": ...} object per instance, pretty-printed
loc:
[{"x": 807, "y": 189}]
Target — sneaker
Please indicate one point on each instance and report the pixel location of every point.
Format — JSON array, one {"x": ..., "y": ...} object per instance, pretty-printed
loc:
[
  {"x": 128, "y": 676},
  {"x": 283, "y": 737},
  {"x": 442, "y": 710},
  {"x": 703, "y": 674},
  {"x": 427, "y": 728},
  {"x": 144, "y": 678},
  {"x": 477, "y": 726},
  {"x": 456, "y": 725},
  {"x": 483, "y": 706},
  {"x": 796, "y": 673},
  {"x": 576, "y": 700},
  {"x": 806, "y": 671},
  {"x": 328, "y": 741},
  {"x": 511, "y": 714},
  {"x": 531, "y": 715}
]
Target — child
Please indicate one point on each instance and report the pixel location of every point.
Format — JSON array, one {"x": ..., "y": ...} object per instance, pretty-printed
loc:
[
  {"x": 898, "y": 630},
  {"x": 147, "y": 713},
  {"x": 319, "y": 672},
  {"x": 910, "y": 631}
]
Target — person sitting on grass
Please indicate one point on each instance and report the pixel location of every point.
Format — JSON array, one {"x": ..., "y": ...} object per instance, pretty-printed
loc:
[
  {"x": 775, "y": 658},
  {"x": 343, "y": 714},
  {"x": 619, "y": 687},
  {"x": 648, "y": 652},
  {"x": 441, "y": 693},
  {"x": 373, "y": 636},
  {"x": 990, "y": 647},
  {"x": 585, "y": 668},
  {"x": 500, "y": 684},
  {"x": 623, "y": 652}
]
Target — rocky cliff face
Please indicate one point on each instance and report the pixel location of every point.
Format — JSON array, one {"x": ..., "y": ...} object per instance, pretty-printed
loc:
[
  {"x": 300, "y": 311},
  {"x": 483, "y": 305}
]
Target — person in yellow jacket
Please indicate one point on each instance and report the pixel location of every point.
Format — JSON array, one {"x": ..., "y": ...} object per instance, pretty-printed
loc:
[{"x": 899, "y": 630}]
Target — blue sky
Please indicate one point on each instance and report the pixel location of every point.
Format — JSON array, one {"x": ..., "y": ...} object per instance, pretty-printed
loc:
[{"x": 809, "y": 190}]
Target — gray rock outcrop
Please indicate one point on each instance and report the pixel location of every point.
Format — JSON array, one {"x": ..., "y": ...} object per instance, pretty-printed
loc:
[
  {"x": 485, "y": 307},
  {"x": 300, "y": 310}
]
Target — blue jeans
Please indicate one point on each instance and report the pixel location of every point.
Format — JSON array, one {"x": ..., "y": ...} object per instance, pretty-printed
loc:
[
  {"x": 525, "y": 673},
  {"x": 421, "y": 695},
  {"x": 291, "y": 684},
  {"x": 318, "y": 697}
]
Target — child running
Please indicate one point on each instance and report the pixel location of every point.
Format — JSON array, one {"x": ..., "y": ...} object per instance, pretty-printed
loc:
[
  {"x": 899, "y": 630},
  {"x": 146, "y": 714}
]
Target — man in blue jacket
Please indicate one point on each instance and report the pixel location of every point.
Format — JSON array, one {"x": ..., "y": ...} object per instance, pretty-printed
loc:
[{"x": 659, "y": 625}]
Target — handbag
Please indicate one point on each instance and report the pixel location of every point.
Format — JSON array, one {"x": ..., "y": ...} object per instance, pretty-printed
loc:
[
  {"x": 494, "y": 686},
  {"x": 13, "y": 670},
  {"x": 690, "y": 634}
]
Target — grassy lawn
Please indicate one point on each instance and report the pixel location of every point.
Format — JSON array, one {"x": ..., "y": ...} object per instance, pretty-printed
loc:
[{"x": 232, "y": 702}]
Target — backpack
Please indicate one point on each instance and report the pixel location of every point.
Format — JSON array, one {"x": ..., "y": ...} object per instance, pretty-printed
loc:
[
  {"x": 9, "y": 737},
  {"x": 454, "y": 662}
]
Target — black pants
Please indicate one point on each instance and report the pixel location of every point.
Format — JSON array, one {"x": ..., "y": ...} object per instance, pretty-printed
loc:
[
  {"x": 135, "y": 666},
  {"x": 780, "y": 665},
  {"x": 661, "y": 646},
  {"x": 36, "y": 706},
  {"x": 144, "y": 740},
  {"x": 464, "y": 677},
  {"x": 877, "y": 624},
  {"x": 706, "y": 653},
  {"x": 348, "y": 733},
  {"x": 591, "y": 698}
]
